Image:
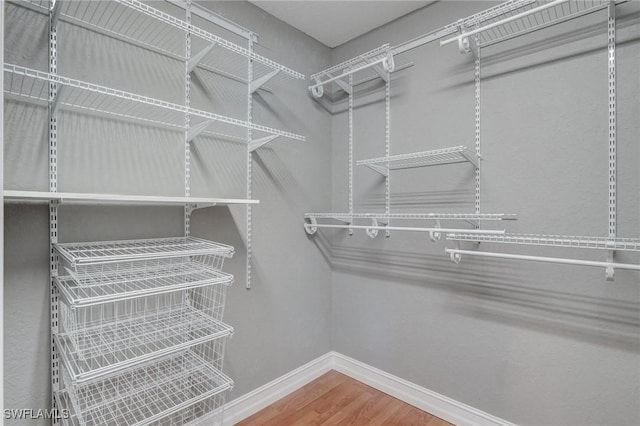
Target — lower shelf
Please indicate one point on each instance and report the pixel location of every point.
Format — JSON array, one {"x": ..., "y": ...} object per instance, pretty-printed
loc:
[
  {"x": 105, "y": 348},
  {"x": 174, "y": 390}
]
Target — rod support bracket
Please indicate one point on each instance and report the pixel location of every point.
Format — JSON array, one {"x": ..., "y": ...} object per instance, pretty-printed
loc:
[
  {"x": 318, "y": 90},
  {"x": 435, "y": 236},
  {"x": 311, "y": 228},
  {"x": 609, "y": 271},
  {"x": 373, "y": 232}
]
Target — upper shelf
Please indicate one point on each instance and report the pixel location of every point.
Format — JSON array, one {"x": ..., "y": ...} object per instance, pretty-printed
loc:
[
  {"x": 514, "y": 18},
  {"x": 86, "y": 198},
  {"x": 156, "y": 30},
  {"x": 376, "y": 63},
  {"x": 457, "y": 154},
  {"x": 34, "y": 85},
  {"x": 413, "y": 216},
  {"x": 625, "y": 244}
]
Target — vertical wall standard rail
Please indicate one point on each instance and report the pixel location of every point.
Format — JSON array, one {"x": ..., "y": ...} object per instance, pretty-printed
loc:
[
  {"x": 350, "y": 150},
  {"x": 477, "y": 128},
  {"x": 187, "y": 122},
  {"x": 611, "y": 49},
  {"x": 249, "y": 161},
  {"x": 387, "y": 148},
  {"x": 54, "y": 8}
]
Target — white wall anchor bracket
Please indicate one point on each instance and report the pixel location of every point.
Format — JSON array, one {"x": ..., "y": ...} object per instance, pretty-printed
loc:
[
  {"x": 317, "y": 90},
  {"x": 373, "y": 231},
  {"x": 261, "y": 81},
  {"x": 195, "y": 59},
  {"x": 434, "y": 235},
  {"x": 311, "y": 228}
]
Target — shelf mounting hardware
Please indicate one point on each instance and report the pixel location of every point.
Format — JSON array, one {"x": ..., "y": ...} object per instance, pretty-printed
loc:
[
  {"x": 261, "y": 81},
  {"x": 55, "y": 13},
  {"x": 257, "y": 143},
  {"x": 197, "y": 129},
  {"x": 195, "y": 59}
]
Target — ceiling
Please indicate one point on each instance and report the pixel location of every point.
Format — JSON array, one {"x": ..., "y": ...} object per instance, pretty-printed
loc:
[{"x": 332, "y": 22}]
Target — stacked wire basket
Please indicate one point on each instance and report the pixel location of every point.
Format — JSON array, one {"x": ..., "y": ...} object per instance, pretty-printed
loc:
[{"x": 140, "y": 334}]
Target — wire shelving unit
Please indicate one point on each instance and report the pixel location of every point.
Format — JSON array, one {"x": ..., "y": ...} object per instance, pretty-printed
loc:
[
  {"x": 175, "y": 390},
  {"x": 458, "y": 154},
  {"x": 579, "y": 242}
]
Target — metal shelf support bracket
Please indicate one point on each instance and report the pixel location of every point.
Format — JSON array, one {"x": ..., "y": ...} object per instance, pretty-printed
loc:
[
  {"x": 261, "y": 81},
  {"x": 195, "y": 59},
  {"x": 196, "y": 130},
  {"x": 257, "y": 143}
]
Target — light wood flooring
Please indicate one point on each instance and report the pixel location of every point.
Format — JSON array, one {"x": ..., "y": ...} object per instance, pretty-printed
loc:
[{"x": 335, "y": 399}]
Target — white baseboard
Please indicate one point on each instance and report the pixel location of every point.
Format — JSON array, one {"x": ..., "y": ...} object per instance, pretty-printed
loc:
[
  {"x": 254, "y": 401},
  {"x": 439, "y": 405}
]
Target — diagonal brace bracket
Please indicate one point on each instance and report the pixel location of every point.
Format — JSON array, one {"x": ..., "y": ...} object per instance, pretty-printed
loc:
[
  {"x": 194, "y": 131},
  {"x": 56, "y": 101},
  {"x": 261, "y": 81},
  {"x": 55, "y": 16},
  {"x": 195, "y": 59},
  {"x": 382, "y": 73},
  {"x": 257, "y": 143},
  {"x": 344, "y": 86}
]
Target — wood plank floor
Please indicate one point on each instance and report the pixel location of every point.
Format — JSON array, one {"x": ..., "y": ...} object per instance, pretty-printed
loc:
[{"x": 336, "y": 399}]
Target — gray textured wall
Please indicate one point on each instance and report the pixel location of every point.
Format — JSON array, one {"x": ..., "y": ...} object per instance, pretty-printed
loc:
[
  {"x": 531, "y": 343},
  {"x": 284, "y": 321}
]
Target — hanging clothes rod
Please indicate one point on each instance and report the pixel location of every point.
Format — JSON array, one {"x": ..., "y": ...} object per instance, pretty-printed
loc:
[
  {"x": 456, "y": 256},
  {"x": 403, "y": 228}
]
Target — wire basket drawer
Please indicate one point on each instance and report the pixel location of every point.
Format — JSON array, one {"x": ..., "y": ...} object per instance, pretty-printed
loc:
[
  {"x": 100, "y": 338},
  {"x": 174, "y": 390},
  {"x": 81, "y": 259}
]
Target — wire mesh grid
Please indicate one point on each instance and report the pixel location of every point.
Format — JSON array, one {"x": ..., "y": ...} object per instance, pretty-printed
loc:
[
  {"x": 604, "y": 243},
  {"x": 413, "y": 216},
  {"x": 173, "y": 390},
  {"x": 126, "y": 255},
  {"x": 96, "y": 340},
  {"x": 536, "y": 15},
  {"x": 110, "y": 285},
  {"x": 436, "y": 157}
]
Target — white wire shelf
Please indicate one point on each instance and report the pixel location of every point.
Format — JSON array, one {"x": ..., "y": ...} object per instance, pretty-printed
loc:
[
  {"x": 102, "y": 347},
  {"x": 376, "y": 63},
  {"x": 515, "y": 18},
  {"x": 581, "y": 242},
  {"x": 175, "y": 390},
  {"x": 117, "y": 199},
  {"x": 112, "y": 285},
  {"x": 457, "y": 154},
  {"x": 117, "y": 254},
  {"x": 349, "y": 217},
  {"x": 157, "y": 30},
  {"x": 33, "y": 85}
]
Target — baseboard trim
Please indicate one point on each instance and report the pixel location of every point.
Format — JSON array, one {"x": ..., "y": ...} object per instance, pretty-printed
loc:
[
  {"x": 439, "y": 405},
  {"x": 254, "y": 401}
]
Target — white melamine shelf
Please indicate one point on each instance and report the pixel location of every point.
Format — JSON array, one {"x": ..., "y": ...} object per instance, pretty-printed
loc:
[
  {"x": 81, "y": 290},
  {"x": 436, "y": 157},
  {"x": 111, "y": 252},
  {"x": 105, "y": 347},
  {"x": 155, "y": 30},
  {"x": 33, "y": 85},
  {"x": 518, "y": 17},
  {"x": 165, "y": 392},
  {"x": 86, "y": 198},
  {"x": 584, "y": 242}
]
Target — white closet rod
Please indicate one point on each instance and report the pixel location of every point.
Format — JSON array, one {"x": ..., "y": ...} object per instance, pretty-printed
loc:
[
  {"x": 404, "y": 228},
  {"x": 564, "y": 261}
]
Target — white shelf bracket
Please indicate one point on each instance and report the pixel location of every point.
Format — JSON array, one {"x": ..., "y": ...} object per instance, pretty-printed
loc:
[
  {"x": 472, "y": 158},
  {"x": 56, "y": 100},
  {"x": 55, "y": 14},
  {"x": 195, "y": 59},
  {"x": 259, "y": 82},
  {"x": 384, "y": 75},
  {"x": 257, "y": 143},
  {"x": 373, "y": 231},
  {"x": 609, "y": 271},
  {"x": 344, "y": 86},
  {"x": 311, "y": 228},
  {"x": 435, "y": 236},
  {"x": 194, "y": 131}
]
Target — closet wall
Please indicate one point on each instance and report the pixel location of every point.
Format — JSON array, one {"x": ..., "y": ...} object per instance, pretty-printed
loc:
[
  {"x": 284, "y": 320},
  {"x": 530, "y": 343}
]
